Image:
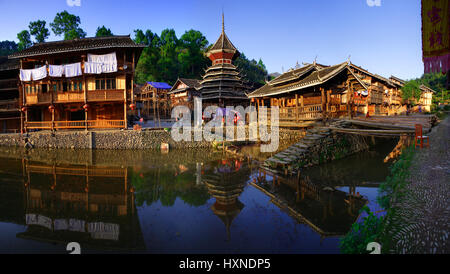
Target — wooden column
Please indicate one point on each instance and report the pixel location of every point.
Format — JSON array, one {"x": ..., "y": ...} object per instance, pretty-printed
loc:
[
  {"x": 322, "y": 92},
  {"x": 125, "y": 126},
  {"x": 328, "y": 101},
  {"x": 132, "y": 81},
  {"x": 22, "y": 102},
  {"x": 296, "y": 107},
  {"x": 85, "y": 93}
]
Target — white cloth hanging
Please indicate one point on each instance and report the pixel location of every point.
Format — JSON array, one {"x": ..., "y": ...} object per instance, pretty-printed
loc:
[
  {"x": 103, "y": 59},
  {"x": 25, "y": 75},
  {"x": 39, "y": 73},
  {"x": 55, "y": 70},
  {"x": 92, "y": 68},
  {"x": 108, "y": 62},
  {"x": 72, "y": 70}
]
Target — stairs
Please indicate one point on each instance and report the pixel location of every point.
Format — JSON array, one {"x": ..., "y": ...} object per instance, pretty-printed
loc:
[{"x": 284, "y": 160}]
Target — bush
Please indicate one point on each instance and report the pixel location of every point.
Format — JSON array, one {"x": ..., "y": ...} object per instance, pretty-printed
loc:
[{"x": 356, "y": 240}]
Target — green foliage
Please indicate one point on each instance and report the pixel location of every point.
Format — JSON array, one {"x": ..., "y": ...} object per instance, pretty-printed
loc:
[
  {"x": 356, "y": 240},
  {"x": 68, "y": 25},
  {"x": 396, "y": 181},
  {"x": 437, "y": 82},
  {"x": 103, "y": 32},
  {"x": 7, "y": 47},
  {"x": 39, "y": 31},
  {"x": 24, "y": 40},
  {"x": 168, "y": 58},
  {"x": 254, "y": 72},
  {"x": 411, "y": 90}
]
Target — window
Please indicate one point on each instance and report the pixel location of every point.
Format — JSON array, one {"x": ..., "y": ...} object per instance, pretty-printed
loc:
[
  {"x": 107, "y": 83},
  {"x": 44, "y": 88}
]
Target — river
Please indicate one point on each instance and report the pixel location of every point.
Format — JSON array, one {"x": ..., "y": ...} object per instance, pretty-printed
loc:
[{"x": 178, "y": 202}]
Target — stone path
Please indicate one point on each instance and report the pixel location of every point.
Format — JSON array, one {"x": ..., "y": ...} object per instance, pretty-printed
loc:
[
  {"x": 420, "y": 221},
  {"x": 289, "y": 156}
]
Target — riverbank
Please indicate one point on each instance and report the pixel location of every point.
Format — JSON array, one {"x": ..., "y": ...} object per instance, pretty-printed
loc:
[
  {"x": 417, "y": 222},
  {"x": 415, "y": 202},
  {"x": 114, "y": 139}
]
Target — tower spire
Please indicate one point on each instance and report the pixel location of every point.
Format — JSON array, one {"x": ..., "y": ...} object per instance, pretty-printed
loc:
[{"x": 223, "y": 22}]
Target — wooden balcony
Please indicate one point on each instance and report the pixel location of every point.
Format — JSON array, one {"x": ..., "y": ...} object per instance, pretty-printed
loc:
[
  {"x": 74, "y": 97},
  {"x": 105, "y": 95},
  {"x": 76, "y": 124},
  {"x": 38, "y": 98},
  {"x": 68, "y": 97}
]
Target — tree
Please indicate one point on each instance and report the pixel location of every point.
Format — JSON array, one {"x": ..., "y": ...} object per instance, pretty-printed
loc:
[
  {"x": 39, "y": 31},
  {"x": 411, "y": 90},
  {"x": 103, "y": 32},
  {"x": 254, "y": 72},
  {"x": 7, "y": 47},
  {"x": 67, "y": 24},
  {"x": 24, "y": 40},
  {"x": 192, "y": 46}
]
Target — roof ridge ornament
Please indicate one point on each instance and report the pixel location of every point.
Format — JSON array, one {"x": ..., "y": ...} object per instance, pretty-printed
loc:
[{"x": 348, "y": 60}]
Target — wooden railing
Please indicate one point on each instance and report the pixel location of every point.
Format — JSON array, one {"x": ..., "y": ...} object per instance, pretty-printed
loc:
[
  {"x": 38, "y": 98},
  {"x": 293, "y": 114},
  {"x": 105, "y": 95},
  {"x": 63, "y": 97},
  {"x": 76, "y": 124}
]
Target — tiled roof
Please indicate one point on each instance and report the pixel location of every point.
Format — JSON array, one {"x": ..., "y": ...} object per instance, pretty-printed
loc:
[
  {"x": 223, "y": 43},
  {"x": 379, "y": 77},
  {"x": 315, "y": 78},
  {"x": 292, "y": 75},
  {"x": 425, "y": 88},
  {"x": 82, "y": 44},
  {"x": 192, "y": 83}
]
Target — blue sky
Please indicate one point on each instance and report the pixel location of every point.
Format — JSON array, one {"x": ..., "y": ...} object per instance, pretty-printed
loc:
[{"x": 384, "y": 39}]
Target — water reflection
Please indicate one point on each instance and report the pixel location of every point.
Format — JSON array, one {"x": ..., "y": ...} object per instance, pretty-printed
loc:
[
  {"x": 179, "y": 202},
  {"x": 225, "y": 184},
  {"x": 328, "y": 211},
  {"x": 87, "y": 204}
]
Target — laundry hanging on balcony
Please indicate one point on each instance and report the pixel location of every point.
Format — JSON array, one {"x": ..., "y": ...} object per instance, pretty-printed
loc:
[
  {"x": 25, "y": 75},
  {"x": 72, "y": 70},
  {"x": 55, "y": 70},
  {"x": 97, "y": 64},
  {"x": 33, "y": 74}
]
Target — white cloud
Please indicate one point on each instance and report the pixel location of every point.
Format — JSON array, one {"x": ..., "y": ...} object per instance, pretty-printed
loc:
[{"x": 72, "y": 3}]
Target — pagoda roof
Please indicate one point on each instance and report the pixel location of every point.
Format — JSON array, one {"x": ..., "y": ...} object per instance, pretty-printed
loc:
[{"x": 223, "y": 44}]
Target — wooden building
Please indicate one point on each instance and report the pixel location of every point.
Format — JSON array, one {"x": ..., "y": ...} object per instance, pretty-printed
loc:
[
  {"x": 183, "y": 92},
  {"x": 9, "y": 96},
  {"x": 222, "y": 84},
  {"x": 155, "y": 100},
  {"x": 312, "y": 92},
  {"x": 78, "y": 84},
  {"x": 426, "y": 98}
]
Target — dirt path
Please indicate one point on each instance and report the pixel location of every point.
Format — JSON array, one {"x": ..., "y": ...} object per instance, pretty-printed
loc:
[{"x": 420, "y": 222}]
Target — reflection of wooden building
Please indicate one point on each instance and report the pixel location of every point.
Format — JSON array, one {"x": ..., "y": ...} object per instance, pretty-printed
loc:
[
  {"x": 82, "y": 83},
  {"x": 224, "y": 186},
  {"x": 329, "y": 213},
  {"x": 222, "y": 83},
  {"x": 87, "y": 204},
  {"x": 183, "y": 92},
  {"x": 155, "y": 100},
  {"x": 9, "y": 96}
]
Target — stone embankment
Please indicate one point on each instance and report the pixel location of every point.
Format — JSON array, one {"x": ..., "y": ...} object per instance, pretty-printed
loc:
[
  {"x": 113, "y": 139},
  {"x": 318, "y": 146}
]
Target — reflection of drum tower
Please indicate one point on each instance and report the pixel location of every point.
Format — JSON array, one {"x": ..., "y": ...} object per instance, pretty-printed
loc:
[{"x": 226, "y": 190}]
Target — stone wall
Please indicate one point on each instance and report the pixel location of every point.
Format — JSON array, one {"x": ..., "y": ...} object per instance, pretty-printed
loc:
[{"x": 113, "y": 139}]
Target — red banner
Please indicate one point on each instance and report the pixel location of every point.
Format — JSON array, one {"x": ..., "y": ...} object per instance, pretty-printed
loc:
[{"x": 436, "y": 35}]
